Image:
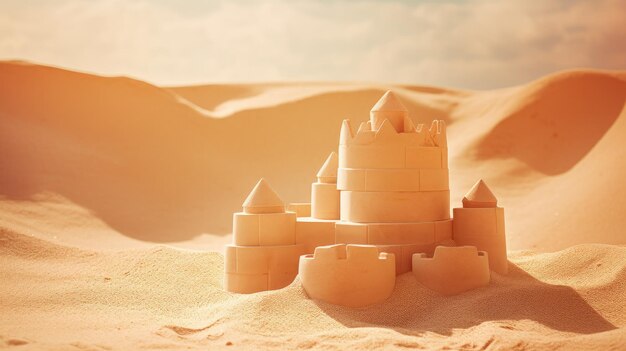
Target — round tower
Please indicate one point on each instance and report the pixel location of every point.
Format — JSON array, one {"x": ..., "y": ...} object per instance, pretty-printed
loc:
[
  {"x": 480, "y": 223},
  {"x": 264, "y": 254},
  {"x": 393, "y": 179}
]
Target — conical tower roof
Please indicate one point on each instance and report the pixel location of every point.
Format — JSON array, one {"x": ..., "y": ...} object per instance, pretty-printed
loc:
[
  {"x": 328, "y": 172},
  {"x": 263, "y": 199},
  {"x": 480, "y": 196},
  {"x": 389, "y": 102}
]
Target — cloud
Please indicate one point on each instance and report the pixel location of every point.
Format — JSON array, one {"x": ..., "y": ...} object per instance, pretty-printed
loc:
[{"x": 467, "y": 44}]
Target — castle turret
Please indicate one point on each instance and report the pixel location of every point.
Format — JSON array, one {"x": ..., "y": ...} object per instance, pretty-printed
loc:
[
  {"x": 264, "y": 254},
  {"x": 393, "y": 178},
  {"x": 324, "y": 193},
  {"x": 480, "y": 223}
]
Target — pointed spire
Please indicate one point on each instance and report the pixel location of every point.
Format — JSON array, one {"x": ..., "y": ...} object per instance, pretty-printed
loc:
[
  {"x": 389, "y": 102},
  {"x": 346, "y": 135},
  {"x": 479, "y": 196},
  {"x": 263, "y": 199},
  {"x": 328, "y": 172}
]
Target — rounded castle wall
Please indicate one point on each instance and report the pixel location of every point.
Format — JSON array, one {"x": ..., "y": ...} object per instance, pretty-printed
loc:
[{"x": 386, "y": 176}]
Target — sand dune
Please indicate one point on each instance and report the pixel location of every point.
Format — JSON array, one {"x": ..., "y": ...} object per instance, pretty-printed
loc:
[
  {"x": 109, "y": 130},
  {"x": 149, "y": 162},
  {"x": 95, "y": 170}
]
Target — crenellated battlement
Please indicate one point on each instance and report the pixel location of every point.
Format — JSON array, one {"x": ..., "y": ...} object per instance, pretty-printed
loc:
[
  {"x": 452, "y": 270},
  {"x": 412, "y": 135},
  {"x": 348, "y": 275},
  {"x": 351, "y": 254}
]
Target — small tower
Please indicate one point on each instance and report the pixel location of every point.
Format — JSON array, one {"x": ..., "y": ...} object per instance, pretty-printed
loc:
[
  {"x": 264, "y": 254},
  {"x": 391, "y": 109},
  {"x": 324, "y": 193},
  {"x": 480, "y": 223}
]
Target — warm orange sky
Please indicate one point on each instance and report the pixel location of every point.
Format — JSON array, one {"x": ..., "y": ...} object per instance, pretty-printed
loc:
[{"x": 466, "y": 44}]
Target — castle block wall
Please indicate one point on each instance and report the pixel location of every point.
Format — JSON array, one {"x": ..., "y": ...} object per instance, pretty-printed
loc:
[
  {"x": 313, "y": 232},
  {"x": 452, "y": 270},
  {"x": 391, "y": 174},
  {"x": 401, "y": 239},
  {"x": 348, "y": 275},
  {"x": 251, "y": 269},
  {"x": 388, "y": 207}
]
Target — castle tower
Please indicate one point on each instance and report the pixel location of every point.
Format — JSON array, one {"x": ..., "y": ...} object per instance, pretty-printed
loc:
[
  {"x": 393, "y": 179},
  {"x": 480, "y": 223},
  {"x": 324, "y": 193},
  {"x": 264, "y": 255},
  {"x": 318, "y": 229}
]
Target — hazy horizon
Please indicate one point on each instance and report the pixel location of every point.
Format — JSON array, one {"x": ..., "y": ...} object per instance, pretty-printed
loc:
[{"x": 473, "y": 44}]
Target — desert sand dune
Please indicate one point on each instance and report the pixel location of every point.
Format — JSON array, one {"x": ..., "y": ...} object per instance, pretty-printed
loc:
[
  {"x": 554, "y": 122},
  {"x": 149, "y": 162},
  {"x": 113, "y": 147},
  {"x": 95, "y": 170}
]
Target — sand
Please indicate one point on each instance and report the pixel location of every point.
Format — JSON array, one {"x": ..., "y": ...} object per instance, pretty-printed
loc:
[{"x": 116, "y": 198}]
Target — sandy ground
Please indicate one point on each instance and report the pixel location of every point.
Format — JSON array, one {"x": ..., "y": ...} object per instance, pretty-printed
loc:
[{"x": 116, "y": 198}]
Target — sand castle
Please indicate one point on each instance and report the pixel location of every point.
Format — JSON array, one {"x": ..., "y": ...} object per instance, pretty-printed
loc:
[{"x": 386, "y": 192}]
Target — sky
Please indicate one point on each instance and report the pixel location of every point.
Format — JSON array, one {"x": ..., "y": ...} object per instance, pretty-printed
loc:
[{"x": 469, "y": 44}]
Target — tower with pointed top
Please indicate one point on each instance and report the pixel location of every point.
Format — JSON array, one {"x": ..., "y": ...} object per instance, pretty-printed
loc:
[
  {"x": 324, "y": 193},
  {"x": 393, "y": 179},
  {"x": 264, "y": 254},
  {"x": 480, "y": 223}
]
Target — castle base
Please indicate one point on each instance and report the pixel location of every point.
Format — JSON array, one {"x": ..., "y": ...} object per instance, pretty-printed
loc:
[{"x": 401, "y": 239}]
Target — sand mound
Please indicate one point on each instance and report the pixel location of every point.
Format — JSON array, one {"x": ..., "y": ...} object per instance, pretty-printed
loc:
[{"x": 169, "y": 298}]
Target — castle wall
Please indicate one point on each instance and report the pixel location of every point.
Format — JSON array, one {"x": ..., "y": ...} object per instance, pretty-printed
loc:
[
  {"x": 250, "y": 269},
  {"x": 389, "y": 207},
  {"x": 452, "y": 270},
  {"x": 401, "y": 239},
  {"x": 313, "y": 232},
  {"x": 324, "y": 201},
  {"x": 385, "y": 176},
  {"x": 348, "y": 275},
  {"x": 393, "y": 180}
]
